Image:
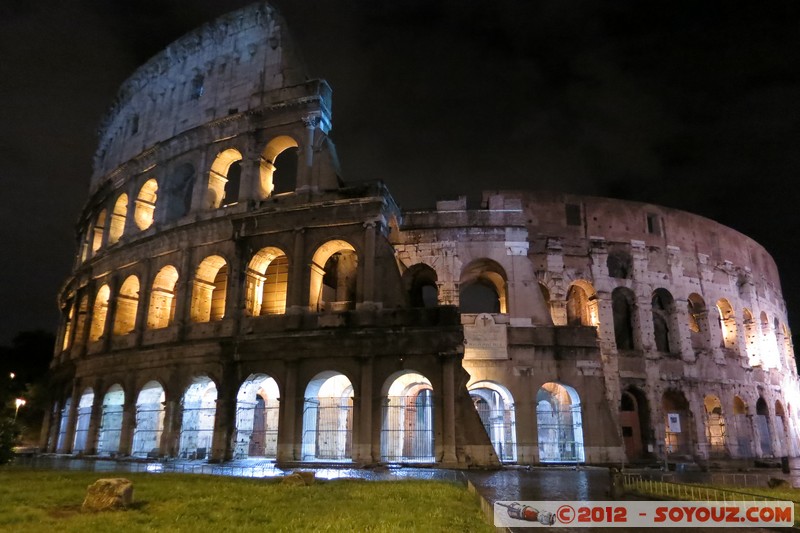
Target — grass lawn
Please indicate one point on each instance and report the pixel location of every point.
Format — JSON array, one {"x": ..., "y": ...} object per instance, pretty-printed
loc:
[{"x": 46, "y": 501}]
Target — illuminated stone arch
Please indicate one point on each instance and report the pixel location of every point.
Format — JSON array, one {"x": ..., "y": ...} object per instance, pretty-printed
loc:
[
  {"x": 483, "y": 287},
  {"x": 149, "y": 426},
  {"x": 495, "y": 406},
  {"x": 210, "y": 286},
  {"x": 257, "y": 416},
  {"x": 99, "y": 313},
  {"x": 127, "y": 306},
  {"x": 407, "y": 418},
  {"x": 224, "y": 179},
  {"x": 727, "y": 324},
  {"x": 762, "y": 427},
  {"x": 743, "y": 430},
  {"x": 582, "y": 304},
  {"x": 634, "y": 418},
  {"x": 146, "y": 204},
  {"x": 111, "y": 421},
  {"x": 560, "y": 424},
  {"x": 269, "y": 165},
  {"x": 161, "y": 312},
  {"x": 665, "y": 322},
  {"x": 334, "y": 277},
  {"x": 782, "y": 432},
  {"x": 84, "y": 416},
  {"x": 199, "y": 412},
  {"x": 99, "y": 230},
  {"x": 117, "y": 226},
  {"x": 328, "y": 418},
  {"x": 266, "y": 282},
  {"x": 419, "y": 282},
  {"x": 716, "y": 429},
  {"x": 678, "y": 432}
]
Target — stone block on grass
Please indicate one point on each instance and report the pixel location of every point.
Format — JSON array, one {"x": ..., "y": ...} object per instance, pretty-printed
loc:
[{"x": 108, "y": 494}]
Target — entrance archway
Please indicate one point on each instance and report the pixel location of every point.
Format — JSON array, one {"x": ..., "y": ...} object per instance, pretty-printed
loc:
[
  {"x": 634, "y": 418},
  {"x": 197, "y": 427},
  {"x": 762, "y": 427},
  {"x": 328, "y": 418},
  {"x": 716, "y": 431},
  {"x": 558, "y": 416},
  {"x": 257, "y": 408},
  {"x": 407, "y": 431},
  {"x": 82, "y": 422},
  {"x": 495, "y": 407},
  {"x": 149, "y": 420},
  {"x": 111, "y": 421},
  {"x": 677, "y": 423}
]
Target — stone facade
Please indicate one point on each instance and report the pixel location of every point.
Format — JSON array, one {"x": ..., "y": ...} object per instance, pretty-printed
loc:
[{"x": 222, "y": 307}]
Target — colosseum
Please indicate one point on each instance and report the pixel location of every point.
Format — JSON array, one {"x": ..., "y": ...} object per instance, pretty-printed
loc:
[{"x": 232, "y": 297}]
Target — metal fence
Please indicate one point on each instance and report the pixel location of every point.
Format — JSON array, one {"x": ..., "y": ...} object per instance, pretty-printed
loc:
[
  {"x": 407, "y": 433},
  {"x": 327, "y": 429},
  {"x": 500, "y": 426}
]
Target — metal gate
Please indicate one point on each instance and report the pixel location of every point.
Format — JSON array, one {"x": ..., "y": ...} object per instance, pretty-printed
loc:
[
  {"x": 82, "y": 429},
  {"x": 407, "y": 433},
  {"x": 500, "y": 426},
  {"x": 560, "y": 434},
  {"x": 717, "y": 435},
  {"x": 149, "y": 426},
  {"x": 744, "y": 436},
  {"x": 764, "y": 437},
  {"x": 257, "y": 429},
  {"x": 110, "y": 429},
  {"x": 327, "y": 429},
  {"x": 197, "y": 432}
]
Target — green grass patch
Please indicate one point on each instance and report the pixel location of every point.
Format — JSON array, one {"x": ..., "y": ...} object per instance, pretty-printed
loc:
[{"x": 46, "y": 501}]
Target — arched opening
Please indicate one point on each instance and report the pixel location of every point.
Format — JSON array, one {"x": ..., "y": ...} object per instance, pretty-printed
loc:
[
  {"x": 224, "y": 179},
  {"x": 82, "y": 422},
  {"x": 328, "y": 418},
  {"x": 744, "y": 431},
  {"x": 266, "y": 283},
  {"x": 698, "y": 322},
  {"x": 678, "y": 440},
  {"x": 117, "y": 226},
  {"x": 111, "y": 421},
  {"x": 149, "y": 420},
  {"x": 68, "y": 314},
  {"x": 495, "y": 407},
  {"x": 99, "y": 314},
  {"x": 727, "y": 324},
  {"x": 482, "y": 288},
  {"x": 634, "y": 418},
  {"x": 257, "y": 409},
  {"x": 197, "y": 426},
  {"x": 127, "y": 306},
  {"x": 665, "y": 327},
  {"x": 146, "y": 204},
  {"x": 270, "y": 182},
  {"x": 209, "y": 290},
  {"x": 751, "y": 337},
  {"x": 622, "y": 306},
  {"x": 762, "y": 427},
  {"x": 716, "y": 432},
  {"x": 334, "y": 277},
  {"x": 161, "y": 312},
  {"x": 559, "y": 419},
  {"x": 407, "y": 428},
  {"x": 99, "y": 229},
  {"x": 620, "y": 264},
  {"x": 782, "y": 429},
  {"x": 81, "y": 323},
  {"x": 769, "y": 350},
  {"x": 61, "y": 440},
  {"x": 788, "y": 349},
  {"x": 178, "y": 193},
  {"x": 581, "y": 305},
  {"x": 419, "y": 281}
]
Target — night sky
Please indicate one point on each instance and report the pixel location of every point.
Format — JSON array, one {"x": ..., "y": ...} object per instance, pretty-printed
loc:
[{"x": 692, "y": 105}]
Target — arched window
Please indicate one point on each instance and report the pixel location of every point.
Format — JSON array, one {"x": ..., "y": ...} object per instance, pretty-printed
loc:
[
  {"x": 623, "y": 306},
  {"x": 419, "y": 282},
  {"x": 146, "y": 204},
  {"x": 127, "y": 306},
  {"x": 99, "y": 313},
  {"x": 224, "y": 179},
  {"x": 698, "y": 322},
  {"x": 99, "y": 229},
  {"x": 334, "y": 277},
  {"x": 266, "y": 283},
  {"x": 161, "y": 312},
  {"x": 210, "y": 289},
  {"x": 483, "y": 288},
  {"x": 727, "y": 324},
  {"x": 560, "y": 424},
  {"x": 665, "y": 327},
  {"x": 117, "y": 226},
  {"x": 269, "y": 166},
  {"x": 619, "y": 264},
  {"x": 581, "y": 307}
]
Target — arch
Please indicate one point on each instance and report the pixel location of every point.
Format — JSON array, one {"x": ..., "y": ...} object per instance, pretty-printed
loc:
[
  {"x": 623, "y": 305},
  {"x": 665, "y": 324},
  {"x": 99, "y": 229},
  {"x": 419, "y": 282},
  {"x": 111, "y": 421},
  {"x": 257, "y": 413},
  {"x": 634, "y": 418},
  {"x": 146, "y": 204},
  {"x": 334, "y": 277},
  {"x": 161, "y": 312},
  {"x": 560, "y": 424},
  {"x": 197, "y": 425},
  {"x": 727, "y": 324},
  {"x": 495, "y": 406},
  {"x": 782, "y": 432},
  {"x": 619, "y": 264},
  {"x": 150, "y": 405},
  {"x": 482, "y": 287},
  {"x": 743, "y": 447},
  {"x": 209, "y": 290},
  {"x": 678, "y": 437},
  {"x": 788, "y": 349},
  {"x": 84, "y": 416},
  {"x": 61, "y": 440},
  {"x": 117, "y": 226},
  {"x": 328, "y": 418},
  {"x": 127, "y": 306},
  {"x": 224, "y": 179},
  {"x": 99, "y": 313},
  {"x": 716, "y": 430},
  {"x": 581, "y": 304},
  {"x": 698, "y": 322},
  {"x": 407, "y": 418},
  {"x": 762, "y": 427},
  {"x": 266, "y": 282},
  {"x": 268, "y": 163}
]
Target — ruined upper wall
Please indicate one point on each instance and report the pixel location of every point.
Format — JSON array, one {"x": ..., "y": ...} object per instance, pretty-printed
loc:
[{"x": 228, "y": 66}]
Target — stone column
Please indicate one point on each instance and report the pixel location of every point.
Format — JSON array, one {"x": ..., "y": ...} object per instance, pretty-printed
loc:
[
  {"x": 448, "y": 410},
  {"x": 173, "y": 418},
  {"x": 368, "y": 281},
  {"x": 287, "y": 440},
  {"x": 366, "y": 400},
  {"x": 298, "y": 266},
  {"x": 44, "y": 434},
  {"x": 225, "y": 417},
  {"x": 95, "y": 419},
  {"x": 305, "y": 180},
  {"x": 183, "y": 293},
  {"x": 69, "y": 434},
  {"x": 111, "y": 313},
  {"x": 143, "y": 308},
  {"x": 128, "y": 420},
  {"x": 683, "y": 336}
]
